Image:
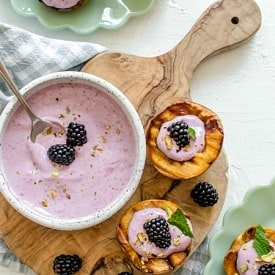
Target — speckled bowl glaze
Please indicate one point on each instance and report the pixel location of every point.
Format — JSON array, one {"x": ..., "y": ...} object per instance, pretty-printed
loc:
[{"x": 140, "y": 151}]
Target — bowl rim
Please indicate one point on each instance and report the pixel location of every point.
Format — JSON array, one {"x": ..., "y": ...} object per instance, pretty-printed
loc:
[{"x": 135, "y": 121}]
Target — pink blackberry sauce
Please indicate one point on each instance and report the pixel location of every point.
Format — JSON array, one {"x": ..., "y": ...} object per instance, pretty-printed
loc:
[
  {"x": 196, "y": 145},
  {"x": 102, "y": 167},
  {"x": 145, "y": 248},
  {"x": 60, "y": 4},
  {"x": 248, "y": 261}
]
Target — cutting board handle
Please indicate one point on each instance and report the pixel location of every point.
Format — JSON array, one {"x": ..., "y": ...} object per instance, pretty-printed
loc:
[
  {"x": 224, "y": 24},
  {"x": 153, "y": 83}
]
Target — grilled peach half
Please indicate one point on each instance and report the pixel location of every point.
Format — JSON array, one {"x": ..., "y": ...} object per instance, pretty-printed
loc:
[
  {"x": 201, "y": 161},
  {"x": 230, "y": 260},
  {"x": 150, "y": 265}
]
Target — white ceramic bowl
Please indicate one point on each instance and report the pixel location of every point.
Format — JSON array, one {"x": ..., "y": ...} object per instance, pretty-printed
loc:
[{"x": 33, "y": 212}]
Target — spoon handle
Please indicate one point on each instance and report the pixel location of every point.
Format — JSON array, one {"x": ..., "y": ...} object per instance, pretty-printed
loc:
[{"x": 5, "y": 74}]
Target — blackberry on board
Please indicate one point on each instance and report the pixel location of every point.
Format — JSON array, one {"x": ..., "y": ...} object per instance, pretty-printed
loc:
[
  {"x": 178, "y": 131},
  {"x": 67, "y": 264},
  {"x": 267, "y": 269},
  {"x": 61, "y": 154},
  {"x": 204, "y": 194},
  {"x": 158, "y": 232},
  {"x": 76, "y": 134}
]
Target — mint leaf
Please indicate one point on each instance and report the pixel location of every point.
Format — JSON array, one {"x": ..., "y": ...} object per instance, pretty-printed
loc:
[
  {"x": 179, "y": 220},
  {"x": 192, "y": 133},
  {"x": 261, "y": 243}
]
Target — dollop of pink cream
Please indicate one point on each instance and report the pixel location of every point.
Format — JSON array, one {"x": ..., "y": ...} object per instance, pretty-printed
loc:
[
  {"x": 248, "y": 261},
  {"x": 188, "y": 152},
  {"x": 147, "y": 249},
  {"x": 60, "y": 4}
]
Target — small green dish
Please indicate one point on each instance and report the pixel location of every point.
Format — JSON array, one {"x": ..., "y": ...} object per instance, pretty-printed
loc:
[
  {"x": 258, "y": 207},
  {"x": 108, "y": 14}
]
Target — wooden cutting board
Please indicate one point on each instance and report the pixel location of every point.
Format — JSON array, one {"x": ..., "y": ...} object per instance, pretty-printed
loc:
[{"x": 151, "y": 84}]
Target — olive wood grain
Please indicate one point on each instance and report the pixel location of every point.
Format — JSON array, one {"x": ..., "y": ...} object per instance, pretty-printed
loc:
[{"x": 151, "y": 84}]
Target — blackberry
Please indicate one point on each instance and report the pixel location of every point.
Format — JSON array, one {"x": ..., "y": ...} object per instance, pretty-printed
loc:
[
  {"x": 76, "y": 134},
  {"x": 61, "y": 154},
  {"x": 125, "y": 273},
  {"x": 267, "y": 269},
  {"x": 178, "y": 131},
  {"x": 158, "y": 232},
  {"x": 204, "y": 194},
  {"x": 67, "y": 264}
]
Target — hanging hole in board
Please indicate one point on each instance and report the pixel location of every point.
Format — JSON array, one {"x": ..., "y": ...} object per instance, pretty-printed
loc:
[{"x": 235, "y": 20}]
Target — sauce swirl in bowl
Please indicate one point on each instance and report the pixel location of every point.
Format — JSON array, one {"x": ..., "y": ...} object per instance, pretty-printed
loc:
[{"x": 106, "y": 170}]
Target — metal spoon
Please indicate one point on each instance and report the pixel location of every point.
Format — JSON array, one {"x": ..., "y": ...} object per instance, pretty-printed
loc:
[{"x": 37, "y": 124}]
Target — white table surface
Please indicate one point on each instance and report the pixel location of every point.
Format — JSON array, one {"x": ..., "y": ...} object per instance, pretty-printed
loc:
[{"x": 239, "y": 85}]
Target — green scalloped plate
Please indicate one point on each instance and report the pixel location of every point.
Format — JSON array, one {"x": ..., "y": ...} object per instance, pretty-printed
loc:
[
  {"x": 258, "y": 207},
  {"x": 108, "y": 14}
]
